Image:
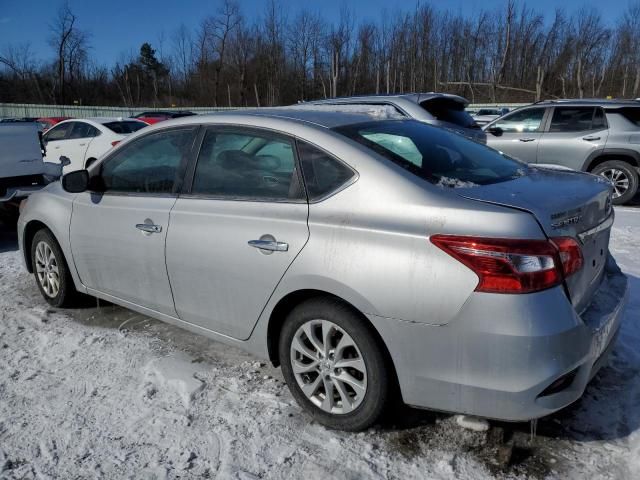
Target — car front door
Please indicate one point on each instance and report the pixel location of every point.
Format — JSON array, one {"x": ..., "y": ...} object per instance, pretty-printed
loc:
[
  {"x": 519, "y": 133},
  {"x": 236, "y": 230},
  {"x": 54, "y": 141},
  {"x": 118, "y": 230},
  {"x": 77, "y": 143},
  {"x": 574, "y": 134}
]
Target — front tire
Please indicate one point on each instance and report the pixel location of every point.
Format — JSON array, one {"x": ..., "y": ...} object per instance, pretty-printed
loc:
[
  {"x": 624, "y": 178},
  {"x": 334, "y": 365},
  {"x": 51, "y": 271}
]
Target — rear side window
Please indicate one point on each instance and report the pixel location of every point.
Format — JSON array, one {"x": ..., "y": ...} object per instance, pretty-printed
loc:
[
  {"x": 148, "y": 165},
  {"x": 528, "y": 120},
  {"x": 575, "y": 119},
  {"x": 450, "y": 111},
  {"x": 125, "y": 127},
  {"x": 631, "y": 113},
  {"x": 59, "y": 132},
  {"x": 323, "y": 174},
  {"x": 82, "y": 130},
  {"x": 247, "y": 166}
]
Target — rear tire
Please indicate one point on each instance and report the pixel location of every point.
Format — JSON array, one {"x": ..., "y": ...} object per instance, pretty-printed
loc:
[
  {"x": 344, "y": 359},
  {"x": 624, "y": 178},
  {"x": 51, "y": 271}
]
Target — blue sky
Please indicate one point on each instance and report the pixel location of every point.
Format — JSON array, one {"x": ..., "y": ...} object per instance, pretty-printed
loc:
[{"x": 118, "y": 26}]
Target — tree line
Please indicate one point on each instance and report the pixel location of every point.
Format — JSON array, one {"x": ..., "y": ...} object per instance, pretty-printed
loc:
[{"x": 511, "y": 54}]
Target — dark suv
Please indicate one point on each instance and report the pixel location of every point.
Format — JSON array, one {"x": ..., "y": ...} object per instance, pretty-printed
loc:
[{"x": 597, "y": 136}]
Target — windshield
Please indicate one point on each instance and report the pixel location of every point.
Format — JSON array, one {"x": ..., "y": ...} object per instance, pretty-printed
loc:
[
  {"x": 434, "y": 154},
  {"x": 125, "y": 127}
]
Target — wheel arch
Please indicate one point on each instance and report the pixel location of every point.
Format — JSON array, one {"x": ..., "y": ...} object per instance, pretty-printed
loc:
[
  {"x": 608, "y": 154},
  {"x": 30, "y": 230},
  {"x": 287, "y": 303}
]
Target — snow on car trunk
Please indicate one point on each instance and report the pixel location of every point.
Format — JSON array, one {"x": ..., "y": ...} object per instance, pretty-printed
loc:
[{"x": 565, "y": 204}]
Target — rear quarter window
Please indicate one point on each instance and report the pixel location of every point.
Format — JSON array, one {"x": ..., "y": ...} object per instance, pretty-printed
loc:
[
  {"x": 323, "y": 174},
  {"x": 632, "y": 114}
]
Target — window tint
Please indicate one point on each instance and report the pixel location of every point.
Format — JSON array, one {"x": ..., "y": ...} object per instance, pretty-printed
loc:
[
  {"x": 125, "y": 127},
  {"x": 59, "y": 132},
  {"x": 449, "y": 111},
  {"x": 435, "y": 155},
  {"x": 630, "y": 113},
  {"x": 528, "y": 120},
  {"x": 82, "y": 130},
  {"x": 246, "y": 165},
  {"x": 599, "y": 120},
  {"x": 571, "y": 119},
  {"x": 148, "y": 165},
  {"x": 323, "y": 173}
]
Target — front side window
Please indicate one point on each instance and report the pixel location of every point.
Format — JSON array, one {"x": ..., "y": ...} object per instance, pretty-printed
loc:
[
  {"x": 572, "y": 119},
  {"x": 148, "y": 165},
  {"x": 528, "y": 120},
  {"x": 246, "y": 165},
  {"x": 435, "y": 155},
  {"x": 323, "y": 174}
]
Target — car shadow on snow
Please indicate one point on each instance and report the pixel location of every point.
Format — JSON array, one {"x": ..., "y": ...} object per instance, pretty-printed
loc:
[{"x": 8, "y": 236}]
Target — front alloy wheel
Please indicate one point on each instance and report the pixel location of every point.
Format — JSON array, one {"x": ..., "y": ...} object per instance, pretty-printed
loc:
[{"x": 47, "y": 270}]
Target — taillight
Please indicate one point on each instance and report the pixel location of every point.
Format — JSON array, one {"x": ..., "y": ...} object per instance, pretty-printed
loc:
[
  {"x": 113, "y": 144},
  {"x": 570, "y": 254},
  {"x": 506, "y": 265}
]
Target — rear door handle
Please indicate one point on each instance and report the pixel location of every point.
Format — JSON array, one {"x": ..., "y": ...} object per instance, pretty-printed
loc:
[
  {"x": 270, "y": 245},
  {"x": 526, "y": 139},
  {"x": 591, "y": 138},
  {"x": 149, "y": 227}
]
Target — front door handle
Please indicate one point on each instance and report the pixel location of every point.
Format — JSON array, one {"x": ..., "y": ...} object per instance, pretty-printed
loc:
[
  {"x": 526, "y": 139},
  {"x": 591, "y": 138},
  {"x": 149, "y": 227},
  {"x": 270, "y": 245}
]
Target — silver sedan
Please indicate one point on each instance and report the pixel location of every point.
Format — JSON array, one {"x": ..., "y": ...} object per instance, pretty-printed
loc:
[{"x": 364, "y": 255}]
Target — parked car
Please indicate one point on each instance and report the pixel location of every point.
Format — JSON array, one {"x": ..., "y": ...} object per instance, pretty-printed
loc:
[
  {"x": 486, "y": 115},
  {"x": 83, "y": 141},
  {"x": 362, "y": 255},
  {"x": 161, "y": 116},
  {"x": 440, "y": 109},
  {"x": 22, "y": 169},
  {"x": 597, "y": 136},
  {"x": 48, "y": 122}
]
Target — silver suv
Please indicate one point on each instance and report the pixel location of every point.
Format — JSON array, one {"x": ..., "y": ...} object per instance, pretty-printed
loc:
[
  {"x": 439, "y": 109},
  {"x": 597, "y": 136}
]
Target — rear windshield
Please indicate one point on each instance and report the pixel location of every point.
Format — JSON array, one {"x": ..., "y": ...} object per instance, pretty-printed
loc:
[
  {"x": 450, "y": 111},
  {"x": 632, "y": 114},
  {"x": 438, "y": 156},
  {"x": 125, "y": 127}
]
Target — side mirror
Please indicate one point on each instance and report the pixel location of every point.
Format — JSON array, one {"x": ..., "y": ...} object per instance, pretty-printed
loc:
[
  {"x": 64, "y": 161},
  {"x": 76, "y": 182},
  {"x": 495, "y": 131}
]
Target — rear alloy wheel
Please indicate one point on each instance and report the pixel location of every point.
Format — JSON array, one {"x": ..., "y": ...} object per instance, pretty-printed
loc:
[
  {"x": 334, "y": 365},
  {"x": 622, "y": 176},
  {"x": 51, "y": 271}
]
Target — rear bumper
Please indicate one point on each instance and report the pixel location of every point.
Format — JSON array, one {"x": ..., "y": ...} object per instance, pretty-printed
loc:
[{"x": 501, "y": 355}]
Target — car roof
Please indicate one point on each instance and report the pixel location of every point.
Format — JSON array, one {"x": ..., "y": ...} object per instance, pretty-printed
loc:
[
  {"x": 412, "y": 97},
  {"x": 102, "y": 120},
  {"x": 591, "y": 102},
  {"x": 319, "y": 115}
]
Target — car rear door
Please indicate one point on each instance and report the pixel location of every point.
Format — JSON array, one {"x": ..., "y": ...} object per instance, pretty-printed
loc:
[
  {"x": 236, "y": 230},
  {"x": 118, "y": 231},
  {"x": 573, "y": 135},
  {"x": 520, "y": 133}
]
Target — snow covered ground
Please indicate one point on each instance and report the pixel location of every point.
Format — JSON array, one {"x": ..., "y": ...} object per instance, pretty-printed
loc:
[{"x": 104, "y": 392}]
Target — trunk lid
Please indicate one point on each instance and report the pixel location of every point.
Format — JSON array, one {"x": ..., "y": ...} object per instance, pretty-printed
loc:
[{"x": 565, "y": 204}]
